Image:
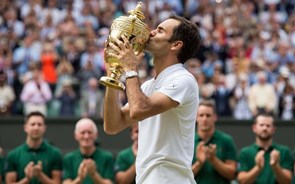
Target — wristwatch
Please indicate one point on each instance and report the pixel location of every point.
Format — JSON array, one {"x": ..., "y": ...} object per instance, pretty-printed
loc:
[{"x": 131, "y": 74}]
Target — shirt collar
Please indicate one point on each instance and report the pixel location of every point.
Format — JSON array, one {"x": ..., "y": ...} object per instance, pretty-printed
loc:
[
  {"x": 169, "y": 69},
  {"x": 42, "y": 147},
  {"x": 258, "y": 148},
  {"x": 88, "y": 156},
  {"x": 199, "y": 139}
]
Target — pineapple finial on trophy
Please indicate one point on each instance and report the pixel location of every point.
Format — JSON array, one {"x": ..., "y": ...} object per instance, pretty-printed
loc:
[{"x": 137, "y": 11}]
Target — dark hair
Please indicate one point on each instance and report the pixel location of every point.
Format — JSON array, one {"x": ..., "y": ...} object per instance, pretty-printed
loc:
[
  {"x": 268, "y": 115},
  {"x": 188, "y": 33},
  {"x": 209, "y": 103},
  {"x": 34, "y": 113}
]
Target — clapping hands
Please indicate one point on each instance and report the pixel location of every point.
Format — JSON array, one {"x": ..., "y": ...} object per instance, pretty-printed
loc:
[
  {"x": 205, "y": 152},
  {"x": 274, "y": 158},
  {"x": 87, "y": 167},
  {"x": 33, "y": 170}
]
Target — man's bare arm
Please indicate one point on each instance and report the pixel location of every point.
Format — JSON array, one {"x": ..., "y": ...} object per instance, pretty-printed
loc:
[
  {"x": 283, "y": 175},
  {"x": 250, "y": 176},
  {"x": 55, "y": 179},
  {"x": 116, "y": 118},
  {"x": 11, "y": 177},
  {"x": 141, "y": 106},
  {"x": 125, "y": 177},
  {"x": 227, "y": 169}
]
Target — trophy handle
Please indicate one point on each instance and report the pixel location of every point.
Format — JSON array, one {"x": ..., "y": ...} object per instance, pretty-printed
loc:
[{"x": 129, "y": 35}]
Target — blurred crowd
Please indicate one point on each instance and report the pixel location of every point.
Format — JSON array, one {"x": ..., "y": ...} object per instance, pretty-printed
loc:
[{"x": 51, "y": 54}]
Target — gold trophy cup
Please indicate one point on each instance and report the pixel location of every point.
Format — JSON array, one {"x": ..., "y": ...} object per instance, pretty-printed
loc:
[{"x": 136, "y": 31}]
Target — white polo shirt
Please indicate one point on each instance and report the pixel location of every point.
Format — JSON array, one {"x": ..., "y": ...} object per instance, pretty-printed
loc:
[{"x": 166, "y": 140}]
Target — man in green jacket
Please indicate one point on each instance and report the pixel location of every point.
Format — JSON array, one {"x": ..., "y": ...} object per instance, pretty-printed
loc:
[
  {"x": 265, "y": 162},
  {"x": 125, "y": 161},
  {"x": 89, "y": 164},
  {"x": 215, "y": 152},
  {"x": 36, "y": 161}
]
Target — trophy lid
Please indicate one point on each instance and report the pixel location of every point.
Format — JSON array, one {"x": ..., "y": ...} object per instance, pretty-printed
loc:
[
  {"x": 137, "y": 11},
  {"x": 132, "y": 27}
]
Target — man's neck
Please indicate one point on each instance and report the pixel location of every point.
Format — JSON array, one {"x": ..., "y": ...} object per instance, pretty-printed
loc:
[
  {"x": 162, "y": 63},
  {"x": 265, "y": 144},
  {"x": 206, "y": 135},
  {"x": 87, "y": 150},
  {"x": 34, "y": 143}
]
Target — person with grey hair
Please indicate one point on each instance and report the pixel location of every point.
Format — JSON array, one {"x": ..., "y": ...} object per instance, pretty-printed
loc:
[{"x": 88, "y": 164}]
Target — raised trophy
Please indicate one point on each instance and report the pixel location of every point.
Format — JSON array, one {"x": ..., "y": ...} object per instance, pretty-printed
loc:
[{"x": 136, "y": 31}]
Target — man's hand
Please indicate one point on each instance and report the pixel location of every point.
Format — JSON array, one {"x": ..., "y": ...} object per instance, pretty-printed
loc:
[
  {"x": 259, "y": 159},
  {"x": 82, "y": 171},
  {"x": 274, "y": 158},
  {"x": 37, "y": 169},
  {"x": 201, "y": 152},
  {"x": 211, "y": 152},
  {"x": 29, "y": 170},
  {"x": 125, "y": 53},
  {"x": 91, "y": 167}
]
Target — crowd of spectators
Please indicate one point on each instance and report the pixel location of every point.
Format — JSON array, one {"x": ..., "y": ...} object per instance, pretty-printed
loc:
[{"x": 51, "y": 54}]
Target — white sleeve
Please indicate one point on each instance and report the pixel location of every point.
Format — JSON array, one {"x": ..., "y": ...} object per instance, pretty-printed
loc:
[{"x": 181, "y": 89}]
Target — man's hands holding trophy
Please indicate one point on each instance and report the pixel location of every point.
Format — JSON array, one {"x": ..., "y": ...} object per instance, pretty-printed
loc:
[{"x": 125, "y": 54}]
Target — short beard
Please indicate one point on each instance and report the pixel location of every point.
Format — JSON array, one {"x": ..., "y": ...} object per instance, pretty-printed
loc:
[{"x": 264, "y": 139}]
